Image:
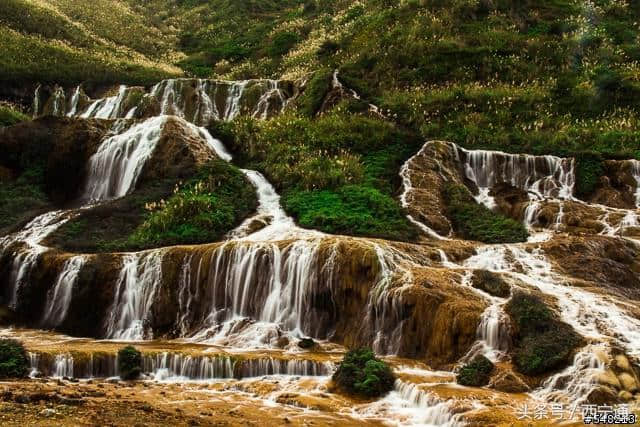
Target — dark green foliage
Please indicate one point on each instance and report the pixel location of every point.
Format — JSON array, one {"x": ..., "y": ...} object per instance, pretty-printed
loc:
[
  {"x": 282, "y": 43},
  {"x": 476, "y": 222},
  {"x": 491, "y": 283},
  {"x": 13, "y": 359},
  {"x": 543, "y": 343},
  {"x": 129, "y": 363},
  {"x": 361, "y": 373},
  {"x": 22, "y": 197},
  {"x": 476, "y": 373},
  {"x": 353, "y": 210},
  {"x": 306, "y": 343},
  {"x": 315, "y": 92},
  {"x": 9, "y": 116},
  {"x": 589, "y": 168},
  {"x": 203, "y": 210}
]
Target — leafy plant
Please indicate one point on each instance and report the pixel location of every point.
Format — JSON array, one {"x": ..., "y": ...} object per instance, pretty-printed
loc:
[
  {"x": 129, "y": 363},
  {"x": 13, "y": 359},
  {"x": 361, "y": 373}
]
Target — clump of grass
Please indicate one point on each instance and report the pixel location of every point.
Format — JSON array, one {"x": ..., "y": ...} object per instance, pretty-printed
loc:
[
  {"x": 10, "y": 116},
  {"x": 475, "y": 373}
]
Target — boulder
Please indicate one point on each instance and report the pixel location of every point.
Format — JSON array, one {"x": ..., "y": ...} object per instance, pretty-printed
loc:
[{"x": 509, "y": 382}]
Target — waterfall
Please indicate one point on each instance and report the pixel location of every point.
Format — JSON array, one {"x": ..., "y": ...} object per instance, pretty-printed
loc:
[
  {"x": 117, "y": 164},
  {"x": 63, "y": 366},
  {"x": 75, "y": 99},
  {"x": 233, "y": 100},
  {"x": 139, "y": 278},
  {"x": 59, "y": 101},
  {"x": 540, "y": 176},
  {"x": 175, "y": 367},
  {"x": 109, "y": 108},
  {"x": 59, "y": 298},
  {"x": 635, "y": 173},
  {"x": 272, "y": 93},
  {"x": 37, "y": 101},
  {"x": 271, "y": 366}
]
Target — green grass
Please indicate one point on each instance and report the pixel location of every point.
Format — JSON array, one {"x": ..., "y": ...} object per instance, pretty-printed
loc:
[
  {"x": 362, "y": 373},
  {"x": 543, "y": 343},
  {"x": 10, "y": 116},
  {"x": 474, "y": 221}
]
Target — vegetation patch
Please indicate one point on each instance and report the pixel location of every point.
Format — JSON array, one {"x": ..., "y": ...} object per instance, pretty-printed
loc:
[
  {"x": 10, "y": 116},
  {"x": 22, "y": 197},
  {"x": 543, "y": 342},
  {"x": 474, "y": 221},
  {"x": 361, "y": 373},
  {"x": 129, "y": 363},
  {"x": 589, "y": 168},
  {"x": 490, "y": 282},
  {"x": 476, "y": 373},
  {"x": 13, "y": 359}
]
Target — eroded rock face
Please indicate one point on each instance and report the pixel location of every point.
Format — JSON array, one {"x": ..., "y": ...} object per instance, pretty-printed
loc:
[
  {"x": 62, "y": 145},
  {"x": 618, "y": 185}
]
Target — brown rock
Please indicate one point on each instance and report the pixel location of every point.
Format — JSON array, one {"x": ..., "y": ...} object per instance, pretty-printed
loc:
[
  {"x": 628, "y": 382},
  {"x": 603, "y": 395},
  {"x": 509, "y": 382}
]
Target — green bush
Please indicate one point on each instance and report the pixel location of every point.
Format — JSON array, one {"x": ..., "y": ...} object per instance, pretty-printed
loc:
[
  {"x": 476, "y": 373},
  {"x": 13, "y": 359},
  {"x": 588, "y": 168},
  {"x": 22, "y": 197},
  {"x": 315, "y": 92},
  {"x": 361, "y": 373},
  {"x": 491, "y": 283},
  {"x": 543, "y": 342},
  {"x": 129, "y": 363},
  {"x": 474, "y": 221},
  {"x": 353, "y": 210},
  {"x": 282, "y": 43}
]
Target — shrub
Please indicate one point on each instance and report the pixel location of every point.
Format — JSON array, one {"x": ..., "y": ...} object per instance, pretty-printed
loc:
[
  {"x": 361, "y": 373},
  {"x": 129, "y": 363},
  {"x": 543, "y": 342},
  {"x": 313, "y": 96},
  {"x": 476, "y": 222},
  {"x": 282, "y": 43},
  {"x": 13, "y": 359},
  {"x": 588, "y": 168},
  {"x": 476, "y": 373}
]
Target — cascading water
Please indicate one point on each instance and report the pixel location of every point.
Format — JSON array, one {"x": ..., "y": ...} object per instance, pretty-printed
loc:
[
  {"x": 59, "y": 297},
  {"x": 635, "y": 173},
  {"x": 114, "y": 169},
  {"x": 140, "y": 275},
  {"x": 75, "y": 99}
]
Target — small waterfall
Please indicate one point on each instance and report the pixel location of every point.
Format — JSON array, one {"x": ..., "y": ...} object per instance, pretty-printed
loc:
[
  {"x": 272, "y": 96},
  {"x": 233, "y": 100},
  {"x": 115, "y": 167},
  {"x": 63, "y": 366},
  {"x": 541, "y": 176},
  {"x": 58, "y": 102},
  {"x": 59, "y": 297},
  {"x": 418, "y": 407},
  {"x": 270, "y": 366},
  {"x": 175, "y": 367},
  {"x": 109, "y": 108},
  {"x": 75, "y": 100},
  {"x": 140, "y": 275},
  {"x": 34, "y": 364},
  {"x": 37, "y": 101}
]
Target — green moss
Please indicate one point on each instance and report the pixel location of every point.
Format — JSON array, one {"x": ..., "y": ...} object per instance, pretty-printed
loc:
[
  {"x": 476, "y": 373},
  {"x": 129, "y": 363},
  {"x": 352, "y": 210},
  {"x": 361, "y": 373},
  {"x": 543, "y": 343},
  {"x": 22, "y": 197},
  {"x": 13, "y": 359},
  {"x": 491, "y": 283},
  {"x": 10, "y": 116},
  {"x": 474, "y": 221}
]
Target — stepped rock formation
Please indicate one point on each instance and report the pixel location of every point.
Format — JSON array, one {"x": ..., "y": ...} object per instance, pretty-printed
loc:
[{"x": 249, "y": 299}]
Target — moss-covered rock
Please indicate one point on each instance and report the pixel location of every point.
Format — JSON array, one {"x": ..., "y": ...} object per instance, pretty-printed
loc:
[
  {"x": 543, "y": 342},
  {"x": 474, "y": 221},
  {"x": 13, "y": 359},
  {"x": 476, "y": 373},
  {"x": 361, "y": 373},
  {"x": 129, "y": 363},
  {"x": 490, "y": 282}
]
